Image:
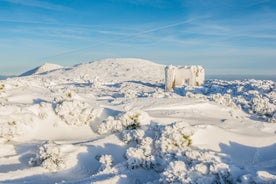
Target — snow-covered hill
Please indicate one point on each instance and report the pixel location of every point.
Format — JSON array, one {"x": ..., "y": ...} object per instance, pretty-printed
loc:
[
  {"x": 111, "y": 121},
  {"x": 113, "y": 70},
  {"x": 41, "y": 69}
]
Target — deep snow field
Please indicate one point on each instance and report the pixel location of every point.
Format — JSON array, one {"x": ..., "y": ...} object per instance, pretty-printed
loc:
[{"x": 111, "y": 121}]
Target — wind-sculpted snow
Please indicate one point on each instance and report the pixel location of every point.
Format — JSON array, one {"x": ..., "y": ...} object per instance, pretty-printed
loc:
[{"x": 111, "y": 121}]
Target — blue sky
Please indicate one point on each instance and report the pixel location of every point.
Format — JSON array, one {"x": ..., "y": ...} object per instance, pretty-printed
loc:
[{"x": 225, "y": 36}]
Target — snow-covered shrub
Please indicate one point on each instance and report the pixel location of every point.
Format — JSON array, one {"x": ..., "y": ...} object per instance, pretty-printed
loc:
[
  {"x": 65, "y": 95},
  {"x": 130, "y": 120},
  {"x": 273, "y": 118},
  {"x": 142, "y": 156},
  {"x": 2, "y": 86},
  {"x": 167, "y": 151},
  {"x": 138, "y": 157},
  {"x": 75, "y": 112},
  {"x": 43, "y": 108},
  {"x": 225, "y": 100},
  {"x": 12, "y": 128},
  {"x": 132, "y": 135},
  {"x": 261, "y": 177},
  {"x": 156, "y": 152},
  {"x": 135, "y": 157},
  {"x": 256, "y": 97},
  {"x": 262, "y": 107},
  {"x": 272, "y": 97},
  {"x": 175, "y": 173},
  {"x": 110, "y": 124},
  {"x": 174, "y": 138},
  {"x": 8, "y": 130},
  {"x": 48, "y": 157},
  {"x": 106, "y": 162},
  {"x": 196, "y": 167}
]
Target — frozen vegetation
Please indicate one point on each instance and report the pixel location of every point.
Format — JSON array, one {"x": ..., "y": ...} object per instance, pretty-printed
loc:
[{"x": 111, "y": 121}]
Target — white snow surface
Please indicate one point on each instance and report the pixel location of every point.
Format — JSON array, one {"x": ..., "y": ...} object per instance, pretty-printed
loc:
[
  {"x": 111, "y": 121},
  {"x": 47, "y": 67}
]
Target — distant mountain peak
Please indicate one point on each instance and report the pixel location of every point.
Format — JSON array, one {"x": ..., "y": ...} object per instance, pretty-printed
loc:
[{"x": 41, "y": 69}]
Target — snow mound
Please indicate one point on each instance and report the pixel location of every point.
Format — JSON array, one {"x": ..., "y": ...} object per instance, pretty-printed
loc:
[
  {"x": 112, "y": 70},
  {"x": 41, "y": 69}
]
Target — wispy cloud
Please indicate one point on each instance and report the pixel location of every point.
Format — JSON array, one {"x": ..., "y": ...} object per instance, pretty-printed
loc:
[
  {"x": 124, "y": 37},
  {"x": 38, "y": 4},
  {"x": 151, "y": 3}
]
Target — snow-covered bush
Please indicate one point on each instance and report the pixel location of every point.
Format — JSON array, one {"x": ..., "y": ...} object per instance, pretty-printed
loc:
[
  {"x": 273, "y": 118},
  {"x": 8, "y": 130},
  {"x": 133, "y": 135},
  {"x": 142, "y": 156},
  {"x": 262, "y": 107},
  {"x": 225, "y": 100},
  {"x": 106, "y": 163},
  {"x": 43, "y": 109},
  {"x": 2, "y": 86},
  {"x": 110, "y": 124},
  {"x": 12, "y": 128},
  {"x": 75, "y": 112},
  {"x": 261, "y": 177},
  {"x": 48, "y": 157},
  {"x": 195, "y": 166},
  {"x": 167, "y": 151},
  {"x": 156, "y": 151},
  {"x": 256, "y": 97},
  {"x": 174, "y": 138},
  {"x": 272, "y": 96},
  {"x": 130, "y": 120},
  {"x": 175, "y": 173},
  {"x": 65, "y": 95}
]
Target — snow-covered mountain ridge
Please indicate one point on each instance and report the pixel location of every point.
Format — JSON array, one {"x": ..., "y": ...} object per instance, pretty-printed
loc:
[
  {"x": 111, "y": 121},
  {"x": 109, "y": 70},
  {"x": 41, "y": 69}
]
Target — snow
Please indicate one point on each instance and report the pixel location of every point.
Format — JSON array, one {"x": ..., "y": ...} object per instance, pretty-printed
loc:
[
  {"x": 47, "y": 67},
  {"x": 111, "y": 121}
]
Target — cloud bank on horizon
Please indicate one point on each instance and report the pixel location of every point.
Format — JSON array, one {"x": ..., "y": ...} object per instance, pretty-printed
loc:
[{"x": 231, "y": 36}]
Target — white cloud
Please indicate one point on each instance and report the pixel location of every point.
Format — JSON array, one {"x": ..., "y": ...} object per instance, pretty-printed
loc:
[{"x": 38, "y": 4}]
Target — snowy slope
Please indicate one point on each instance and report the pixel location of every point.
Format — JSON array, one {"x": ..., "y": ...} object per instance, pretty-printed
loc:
[
  {"x": 41, "y": 69},
  {"x": 110, "y": 121},
  {"x": 113, "y": 70}
]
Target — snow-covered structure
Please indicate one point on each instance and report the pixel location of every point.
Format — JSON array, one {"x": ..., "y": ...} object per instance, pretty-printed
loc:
[{"x": 183, "y": 75}]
